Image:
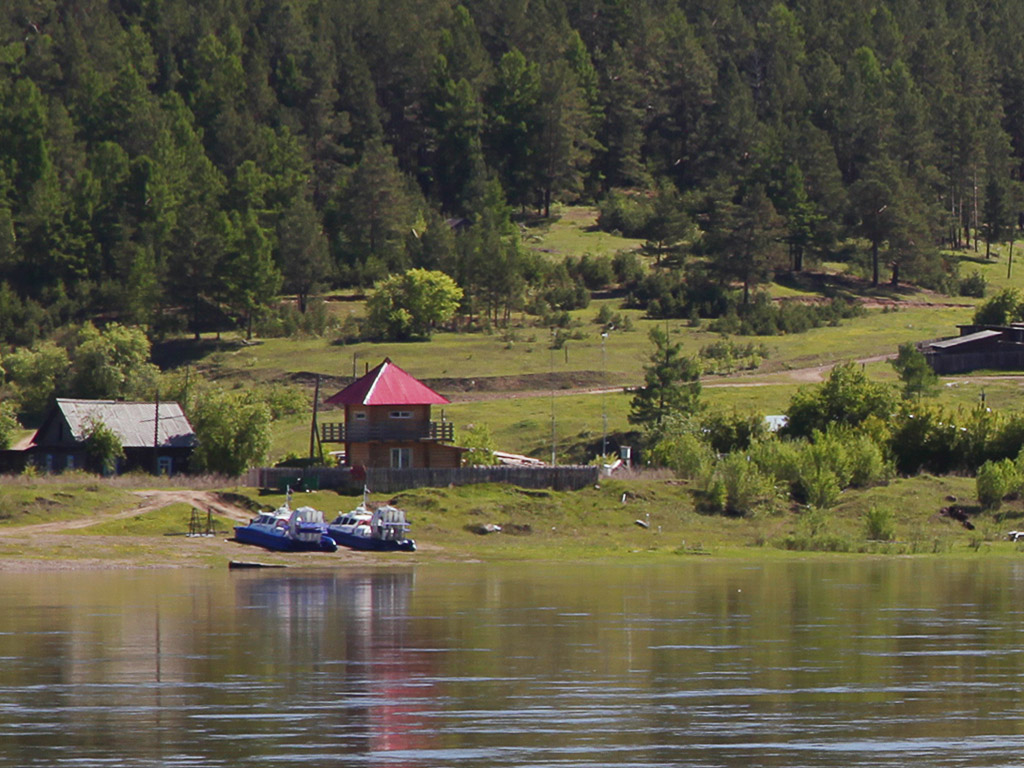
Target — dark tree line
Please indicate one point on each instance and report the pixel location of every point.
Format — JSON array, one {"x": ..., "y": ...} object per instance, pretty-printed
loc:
[{"x": 166, "y": 160}]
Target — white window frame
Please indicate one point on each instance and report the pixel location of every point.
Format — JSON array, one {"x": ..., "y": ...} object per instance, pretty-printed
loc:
[
  {"x": 401, "y": 458},
  {"x": 400, "y": 414}
]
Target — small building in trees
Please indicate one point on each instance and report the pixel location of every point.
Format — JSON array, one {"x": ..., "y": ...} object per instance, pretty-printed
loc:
[
  {"x": 996, "y": 347},
  {"x": 388, "y": 423},
  {"x": 154, "y": 437}
]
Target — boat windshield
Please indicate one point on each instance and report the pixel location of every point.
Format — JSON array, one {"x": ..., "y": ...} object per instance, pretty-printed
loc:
[
  {"x": 392, "y": 517},
  {"x": 309, "y": 515}
]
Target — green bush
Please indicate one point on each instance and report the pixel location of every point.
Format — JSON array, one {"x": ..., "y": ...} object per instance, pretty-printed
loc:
[
  {"x": 233, "y": 432},
  {"x": 628, "y": 269},
  {"x": 778, "y": 458},
  {"x": 287, "y": 321},
  {"x": 813, "y": 535},
  {"x": 281, "y": 399},
  {"x": 974, "y": 285},
  {"x": 102, "y": 447},
  {"x": 726, "y": 356},
  {"x": 747, "y": 489},
  {"x": 690, "y": 457},
  {"x": 1002, "y": 309},
  {"x": 828, "y": 450},
  {"x": 479, "y": 445},
  {"x": 817, "y": 470},
  {"x": 623, "y": 213},
  {"x": 865, "y": 461},
  {"x": 847, "y": 398},
  {"x": 929, "y": 437},
  {"x": 925, "y": 437},
  {"x": 819, "y": 486},
  {"x": 880, "y": 524},
  {"x": 1006, "y": 438},
  {"x": 764, "y": 317},
  {"x": 595, "y": 272},
  {"x": 995, "y": 481},
  {"x": 728, "y": 431},
  {"x": 8, "y": 424}
]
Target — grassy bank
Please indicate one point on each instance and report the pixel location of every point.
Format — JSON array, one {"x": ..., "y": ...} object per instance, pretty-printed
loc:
[{"x": 74, "y": 524}]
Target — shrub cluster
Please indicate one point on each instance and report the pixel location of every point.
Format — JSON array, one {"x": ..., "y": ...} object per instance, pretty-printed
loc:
[
  {"x": 995, "y": 481},
  {"x": 926, "y": 437},
  {"x": 610, "y": 320},
  {"x": 999, "y": 479},
  {"x": 287, "y": 321},
  {"x": 594, "y": 272},
  {"x": 629, "y": 215},
  {"x": 697, "y": 295},
  {"x": 726, "y": 356},
  {"x": 762, "y": 317},
  {"x": 1003, "y": 308},
  {"x": 628, "y": 269},
  {"x": 738, "y": 468},
  {"x": 974, "y": 285},
  {"x": 561, "y": 291},
  {"x": 816, "y": 470}
]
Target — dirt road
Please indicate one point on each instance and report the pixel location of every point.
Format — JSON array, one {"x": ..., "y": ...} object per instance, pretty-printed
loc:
[{"x": 148, "y": 502}]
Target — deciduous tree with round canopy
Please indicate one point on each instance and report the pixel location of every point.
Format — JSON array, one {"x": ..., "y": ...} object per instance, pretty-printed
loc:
[{"x": 411, "y": 305}]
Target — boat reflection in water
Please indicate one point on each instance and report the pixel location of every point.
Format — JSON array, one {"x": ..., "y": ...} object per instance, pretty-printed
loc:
[{"x": 353, "y": 629}]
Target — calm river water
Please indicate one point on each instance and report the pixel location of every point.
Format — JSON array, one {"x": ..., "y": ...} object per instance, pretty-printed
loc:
[{"x": 857, "y": 663}]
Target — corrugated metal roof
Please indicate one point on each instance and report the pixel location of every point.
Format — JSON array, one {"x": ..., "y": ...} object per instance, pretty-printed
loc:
[
  {"x": 387, "y": 384},
  {"x": 968, "y": 339},
  {"x": 131, "y": 422}
]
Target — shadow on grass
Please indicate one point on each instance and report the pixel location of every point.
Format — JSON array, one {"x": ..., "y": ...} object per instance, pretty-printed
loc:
[{"x": 177, "y": 352}]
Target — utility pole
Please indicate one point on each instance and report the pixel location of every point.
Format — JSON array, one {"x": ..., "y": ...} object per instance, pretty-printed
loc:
[
  {"x": 604, "y": 396},
  {"x": 313, "y": 426},
  {"x": 156, "y": 435},
  {"x": 552, "y": 397}
]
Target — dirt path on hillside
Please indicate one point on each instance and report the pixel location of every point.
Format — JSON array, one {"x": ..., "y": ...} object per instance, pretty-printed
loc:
[
  {"x": 795, "y": 376},
  {"x": 150, "y": 501}
]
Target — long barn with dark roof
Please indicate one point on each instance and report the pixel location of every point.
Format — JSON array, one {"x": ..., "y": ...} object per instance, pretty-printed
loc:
[
  {"x": 155, "y": 437},
  {"x": 992, "y": 347}
]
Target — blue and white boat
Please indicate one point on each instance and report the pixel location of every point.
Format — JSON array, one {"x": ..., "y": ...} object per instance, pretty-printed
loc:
[
  {"x": 288, "y": 530},
  {"x": 384, "y": 529}
]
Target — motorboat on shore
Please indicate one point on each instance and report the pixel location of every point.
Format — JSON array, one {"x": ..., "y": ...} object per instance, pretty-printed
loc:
[
  {"x": 288, "y": 530},
  {"x": 384, "y": 529}
]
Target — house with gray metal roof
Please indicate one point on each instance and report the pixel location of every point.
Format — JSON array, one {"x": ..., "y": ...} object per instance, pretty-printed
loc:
[{"x": 156, "y": 437}]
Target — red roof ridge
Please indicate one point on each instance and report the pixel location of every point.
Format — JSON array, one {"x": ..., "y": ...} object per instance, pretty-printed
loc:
[{"x": 387, "y": 384}]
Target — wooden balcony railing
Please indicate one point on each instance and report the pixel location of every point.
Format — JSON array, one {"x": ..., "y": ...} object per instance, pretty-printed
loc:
[{"x": 436, "y": 431}]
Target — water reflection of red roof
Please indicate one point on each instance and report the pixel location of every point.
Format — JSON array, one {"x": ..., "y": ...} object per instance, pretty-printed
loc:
[{"x": 387, "y": 384}]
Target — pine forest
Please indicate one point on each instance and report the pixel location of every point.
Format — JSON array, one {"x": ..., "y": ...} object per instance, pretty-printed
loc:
[{"x": 176, "y": 165}]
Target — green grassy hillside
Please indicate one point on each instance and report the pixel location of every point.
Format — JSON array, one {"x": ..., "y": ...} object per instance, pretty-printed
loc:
[{"x": 642, "y": 516}]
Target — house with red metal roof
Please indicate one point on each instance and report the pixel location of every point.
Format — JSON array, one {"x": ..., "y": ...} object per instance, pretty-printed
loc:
[{"x": 388, "y": 423}]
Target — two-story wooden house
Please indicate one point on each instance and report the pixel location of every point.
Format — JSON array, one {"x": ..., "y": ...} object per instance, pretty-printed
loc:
[{"x": 388, "y": 423}]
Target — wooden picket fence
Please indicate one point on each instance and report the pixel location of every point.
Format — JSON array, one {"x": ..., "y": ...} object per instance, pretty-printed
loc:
[{"x": 384, "y": 480}]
